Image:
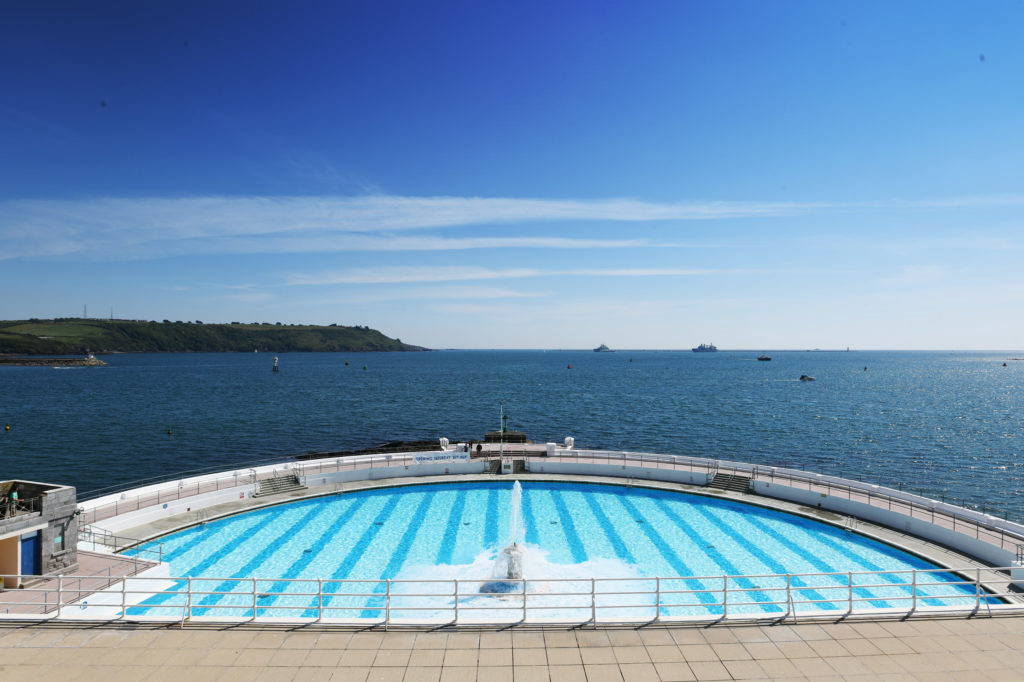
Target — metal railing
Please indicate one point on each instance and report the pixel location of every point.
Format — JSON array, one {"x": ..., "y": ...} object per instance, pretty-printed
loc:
[
  {"x": 561, "y": 600},
  {"x": 884, "y": 498},
  {"x": 11, "y": 508},
  {"x": 881, "y": 498},
  {"x": 153, "y": 551},
  {"x": 241, "y": 477},
  {"x": 875, "y": 496}
]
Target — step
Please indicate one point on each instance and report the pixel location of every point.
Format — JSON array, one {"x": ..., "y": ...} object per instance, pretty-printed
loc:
[
  {"x": 278, "y": 485},
  {"x": 733, "y": 482}
]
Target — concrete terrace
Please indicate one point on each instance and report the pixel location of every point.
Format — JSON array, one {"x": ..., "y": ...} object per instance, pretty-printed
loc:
[
  {"x": 920, "y": 649},
  {"x": 864, "y": 647}
]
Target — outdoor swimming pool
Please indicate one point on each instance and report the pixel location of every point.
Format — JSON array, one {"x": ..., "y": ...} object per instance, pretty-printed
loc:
[{"x": 360, "y": 553}]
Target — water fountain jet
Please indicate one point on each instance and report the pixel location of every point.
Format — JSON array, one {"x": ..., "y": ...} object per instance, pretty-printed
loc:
[{"x": 509, "y": 565}]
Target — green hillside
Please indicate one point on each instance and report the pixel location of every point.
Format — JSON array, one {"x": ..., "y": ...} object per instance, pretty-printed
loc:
[{"x": 72, "y": 336}]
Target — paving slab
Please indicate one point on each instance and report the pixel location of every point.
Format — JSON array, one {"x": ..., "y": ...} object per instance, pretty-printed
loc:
[{"x": 935, "y": 649}]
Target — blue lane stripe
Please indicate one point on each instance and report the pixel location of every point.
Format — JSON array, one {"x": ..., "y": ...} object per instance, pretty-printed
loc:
[
  {"x": 206, "y": 533},
  {"x": 888, "y": 575},
  {"x": 320, "y": 543},
  {"x": 213, "y": 557},
  {"x": 532, "y": 535},
  {"x": 203, "y": 565},
  {"x": 764, "y": 557},
  {"x": 621, "y": 550},
  {"x": 399, "y": 554},
  {"x": 491, "y": 519},
  {"x": 271, "y": 548},
  {"x": 666, "y": 551},
  {"x": 447, "y": 548},
  {"x": 729, "y": 567},
  {"x": 579, "y": 553},
  {"x": 808, "y": 556},
  {"x": 356, "y": 553}
]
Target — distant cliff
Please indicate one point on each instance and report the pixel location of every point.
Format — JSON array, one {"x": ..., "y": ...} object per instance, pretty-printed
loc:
[{"x": 73, "y": 336}]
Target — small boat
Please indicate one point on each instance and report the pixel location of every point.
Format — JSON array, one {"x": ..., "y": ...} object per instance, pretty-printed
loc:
[
  {"x": 763, "y": 358},
  {"x": 804, "y": 377},
  {"x": 603, "y": 349},
  {"x": 705, "y": 348}
]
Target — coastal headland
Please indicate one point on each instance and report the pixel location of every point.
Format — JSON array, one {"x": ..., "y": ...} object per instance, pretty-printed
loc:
[{"x": 79, "y": 336}]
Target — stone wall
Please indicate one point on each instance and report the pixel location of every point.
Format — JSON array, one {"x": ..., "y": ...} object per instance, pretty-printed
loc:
[
  {"x": 53, "y": 505},
  {"x": 60, "y": 507}
]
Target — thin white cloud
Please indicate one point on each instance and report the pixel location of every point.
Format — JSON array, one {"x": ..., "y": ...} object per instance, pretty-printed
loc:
[
  {"x": 917, "y": 274},
  {"x": 132, "y": 228},
  {"x": 454, "y": 273},
  {"x": 432, "y": 293},
  {"x": 395, "y": 275},
  {"x": 349, "y": 242}
]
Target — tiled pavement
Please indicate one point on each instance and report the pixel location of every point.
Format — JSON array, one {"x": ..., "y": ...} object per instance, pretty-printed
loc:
[{"x": 919, "y": 649}]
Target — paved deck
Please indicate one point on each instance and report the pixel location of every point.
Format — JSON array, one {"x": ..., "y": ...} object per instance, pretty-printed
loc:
[
  {"x": 919, "y": 649},
  {"x": 95, "y": 572}
]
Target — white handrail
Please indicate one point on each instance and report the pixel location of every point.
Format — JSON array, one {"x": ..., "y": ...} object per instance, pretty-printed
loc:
[
  {"x": 711, "y": 598},
  {"x": 999, "y": 532}
]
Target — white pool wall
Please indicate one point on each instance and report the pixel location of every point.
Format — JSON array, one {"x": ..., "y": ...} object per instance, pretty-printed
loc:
[{"x": 401, "y": 465}]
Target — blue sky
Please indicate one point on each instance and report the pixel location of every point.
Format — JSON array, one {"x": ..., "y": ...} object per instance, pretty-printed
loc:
[{"x": 522, "y": 175}]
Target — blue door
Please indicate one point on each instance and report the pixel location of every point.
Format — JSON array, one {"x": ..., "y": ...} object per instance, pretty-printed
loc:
[{"x": 30, "y": 554}]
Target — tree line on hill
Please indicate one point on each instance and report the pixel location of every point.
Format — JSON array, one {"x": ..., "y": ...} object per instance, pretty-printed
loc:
[{"x": 72, "y": 336}]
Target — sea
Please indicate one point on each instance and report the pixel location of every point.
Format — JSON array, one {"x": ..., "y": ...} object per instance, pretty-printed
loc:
[{"x": 946, "y": 425}]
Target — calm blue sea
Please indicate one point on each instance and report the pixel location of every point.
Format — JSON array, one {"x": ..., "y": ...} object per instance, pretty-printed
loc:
[{"x": 946, "y": 425}]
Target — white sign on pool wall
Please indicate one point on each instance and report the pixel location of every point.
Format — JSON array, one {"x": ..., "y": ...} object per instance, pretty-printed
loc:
[{"x": 428, "y": 457}]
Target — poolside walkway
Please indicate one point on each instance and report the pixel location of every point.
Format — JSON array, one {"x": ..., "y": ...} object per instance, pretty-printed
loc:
[
  {"x": 919, "y": 649},
  {"x": 95, "y": 572}
]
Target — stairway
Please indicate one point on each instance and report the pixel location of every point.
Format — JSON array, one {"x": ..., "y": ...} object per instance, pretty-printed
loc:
[
  {"x": 279, "y": 484},
  {"x": 734, "y": 482}
]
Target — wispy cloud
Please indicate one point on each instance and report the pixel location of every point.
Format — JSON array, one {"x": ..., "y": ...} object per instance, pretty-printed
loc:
[
  {"x": 397, "y": 275},
  {"x": 917, "y": 274},
  {"x": 430, "y": 293},
  {"x": 132, "y": 228},
  {"x": 452, "y": 273}
]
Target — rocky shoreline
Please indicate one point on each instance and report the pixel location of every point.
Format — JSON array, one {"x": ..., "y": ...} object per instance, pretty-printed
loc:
[{"x": 52, "y": 362}]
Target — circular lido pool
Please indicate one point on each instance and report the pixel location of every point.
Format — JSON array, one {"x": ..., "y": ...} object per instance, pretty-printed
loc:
[{"x": 536, "y": 550}]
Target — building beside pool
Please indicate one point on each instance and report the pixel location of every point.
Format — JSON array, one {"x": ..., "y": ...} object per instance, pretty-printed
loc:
[{"x": 38, "y": 530}]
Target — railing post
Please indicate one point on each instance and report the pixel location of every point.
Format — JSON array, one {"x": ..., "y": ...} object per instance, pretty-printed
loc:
[
  {"x": 319, "y": 599},
  {"x": 254, "y": 604},
  {"x": 790, "y": 609},
  {"x": 725, "y": 596},
  {"x": 657, "y": 598},
  {"x": 456, "y": 600},
  {"x": 124, "y": 597},
  {"x": 523, "y": 582},
  {"x": 387, "y": 604},
  {"x": 593, "y": 603},
  {"x": 60, "y": 594},
  {"x": 913, "y": 593},
  {"x": 188, "y": 599},
  {"x": 977, "y": 589},
  {"x": 849, "y": 595}
]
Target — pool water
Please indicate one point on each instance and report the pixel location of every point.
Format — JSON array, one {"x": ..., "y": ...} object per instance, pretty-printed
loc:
[{"x": 622, "y": 536}]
